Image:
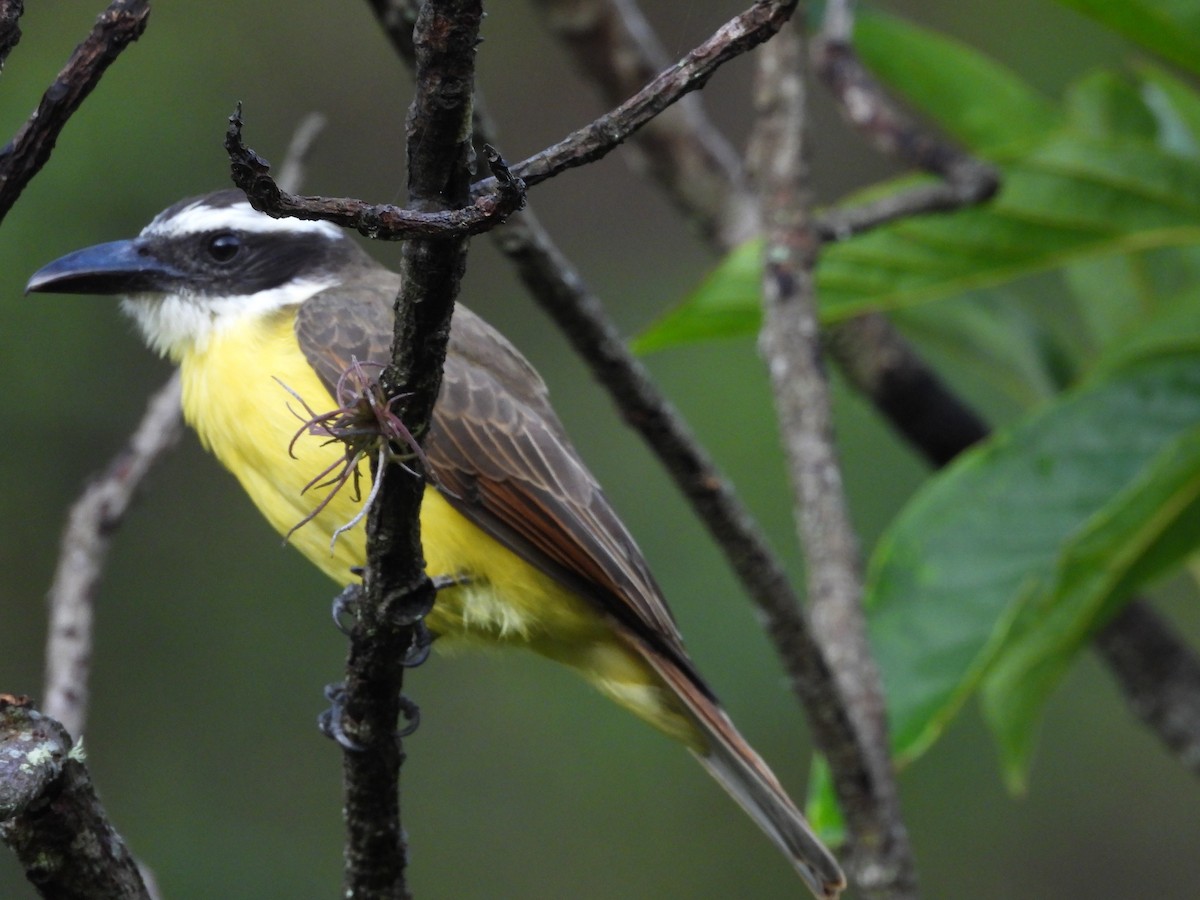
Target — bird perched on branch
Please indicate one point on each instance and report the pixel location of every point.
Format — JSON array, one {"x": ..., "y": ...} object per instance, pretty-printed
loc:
[{"x": 263, "y": 315}]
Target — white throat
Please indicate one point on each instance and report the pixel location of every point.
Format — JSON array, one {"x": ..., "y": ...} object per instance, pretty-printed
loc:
[{"x": 175, "y": 325}]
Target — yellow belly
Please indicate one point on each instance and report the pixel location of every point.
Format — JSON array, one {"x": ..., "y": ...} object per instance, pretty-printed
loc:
[{"x": 234, "y": 396}]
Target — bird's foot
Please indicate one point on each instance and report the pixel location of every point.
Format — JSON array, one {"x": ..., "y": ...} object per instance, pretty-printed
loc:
[
  {"x": 332, "y": 721},
  {"x": 345, "y": 607}
]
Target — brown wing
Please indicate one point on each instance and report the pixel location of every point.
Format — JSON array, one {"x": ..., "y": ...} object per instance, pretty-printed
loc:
[
  {"x": 335, "y": 328},
  {"x": 500, "y": 456}
]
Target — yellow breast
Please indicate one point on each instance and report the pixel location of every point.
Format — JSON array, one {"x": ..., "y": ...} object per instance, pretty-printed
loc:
[{"x": 237, "y": 394}]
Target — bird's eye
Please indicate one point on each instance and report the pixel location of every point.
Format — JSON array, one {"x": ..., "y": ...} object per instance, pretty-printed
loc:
[{"x": 224, "y": 246}]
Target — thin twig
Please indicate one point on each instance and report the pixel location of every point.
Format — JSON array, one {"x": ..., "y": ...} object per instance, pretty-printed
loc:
[
  {"x": 380, "y": 221},
  {"x": 91, "y": 526},
  {"x": 118, "y": 26},
  {"x": 493, "y": 198},
  {"x": 880, "y": 860},
  {"x": 740, "y": 34},
  {"x": 841, "y": 223},
  {"x": 397, "y": 18},
  {"x": 51, "y": 817},
  {"x": 397, "y": 592},
  {"x": 611, "y": 42},
  {"x": 291, "y": 173},
  {"x": 965, "y": 180}
]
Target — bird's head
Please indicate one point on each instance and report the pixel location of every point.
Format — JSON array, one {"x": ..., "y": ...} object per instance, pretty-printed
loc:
[{"x": 205, "y": 263}]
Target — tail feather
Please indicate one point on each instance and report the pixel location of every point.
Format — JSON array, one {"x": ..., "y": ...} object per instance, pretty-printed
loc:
[{"x": 742, "y": 773}]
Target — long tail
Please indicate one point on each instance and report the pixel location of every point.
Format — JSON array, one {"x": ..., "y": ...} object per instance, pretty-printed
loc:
[{"x": 742, "y": 772}]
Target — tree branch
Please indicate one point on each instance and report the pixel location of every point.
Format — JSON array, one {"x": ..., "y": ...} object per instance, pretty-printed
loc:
[
  {"x": 397, "y": 18},
  {"x": 965, "y": 181},
  {"x": 737, "y": 36},
  {"x": 611, "y": 42},
  {"x": 501, "y": 194},
  {"x": 23, "y": 157},
  {"x": 397, "y": 592},
  {"x": 880, "y": 858},
  {"x": 51, "y": 817},
  {"x": 380, "y": 221},
  {"x": 295, "y": 160},
  {"x": 1159, "y": 675},
  {"x": 91, "y": 526}
]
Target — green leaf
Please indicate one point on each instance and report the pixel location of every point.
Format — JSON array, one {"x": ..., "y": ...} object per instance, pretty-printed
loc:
[
  {"x": 1106, "y": 104},
  {"x": 1115, "y": 292},
  {"x": 1170, "y": 28},
  {"x": 984, "y": 105},
  {"x": 1072, "y": 198},
  {"x": 992, "y": 334},
  {"x": 1174, "y": 327},
  {"x": 1176, "y": 105},
  {"x": 983, "y": 538},
  {"x": 821, "y": 809},
  {"x": 1113, "y": 295},
  {"x": 1144, "y": 530},
  {"x": 724, "y": 305}
]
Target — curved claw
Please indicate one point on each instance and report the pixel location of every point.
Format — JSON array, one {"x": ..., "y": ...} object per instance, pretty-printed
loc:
[
  {"x": 411, "y": 713},
  {"x": 332, "y": 721},
  {"x": 345, "y": 607},
  {"x": 418, "y": 650}
]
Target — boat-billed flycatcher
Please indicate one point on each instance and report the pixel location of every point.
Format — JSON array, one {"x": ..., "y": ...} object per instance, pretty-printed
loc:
[{"x": 258, "y": 311}]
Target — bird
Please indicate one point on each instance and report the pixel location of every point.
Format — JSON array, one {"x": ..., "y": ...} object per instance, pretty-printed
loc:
[{"x": 263, "y": 315}]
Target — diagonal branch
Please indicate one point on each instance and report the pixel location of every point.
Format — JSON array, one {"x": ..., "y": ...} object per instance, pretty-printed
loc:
[
  {"x": 23, "y": 157},
  {"x": 880, "y": 856},
  {"x": 1160, "y": 676},
  {"x": 963, "y": 180},
  {"x": 611, "y": 42},
  {"x": 499, "y": 195},
  {"x": 740, "y": 34},
  {"x": 91, "y": 527}
]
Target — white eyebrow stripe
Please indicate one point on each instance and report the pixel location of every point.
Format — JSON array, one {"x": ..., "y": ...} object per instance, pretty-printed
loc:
[{"x": 199, "y": 218}]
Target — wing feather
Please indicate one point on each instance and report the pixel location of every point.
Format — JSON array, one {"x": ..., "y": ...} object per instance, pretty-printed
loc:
[{"x": 501, "y": 458}]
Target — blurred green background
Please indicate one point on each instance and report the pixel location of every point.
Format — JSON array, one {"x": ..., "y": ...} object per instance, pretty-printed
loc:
[{"x": 214, "y": 642}]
